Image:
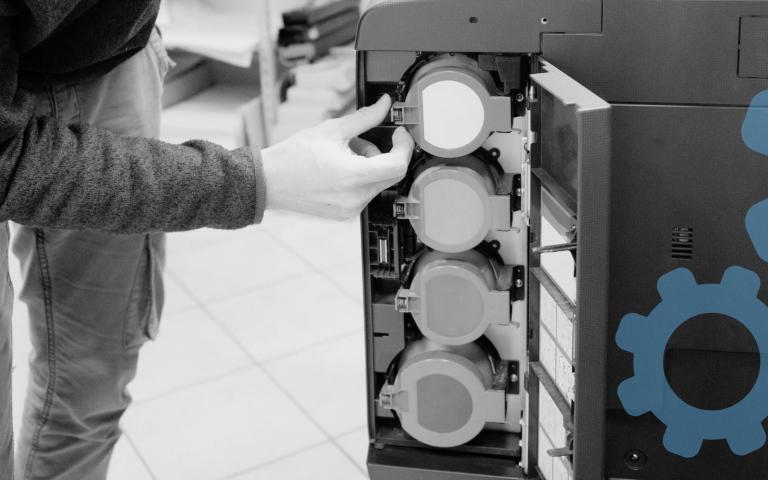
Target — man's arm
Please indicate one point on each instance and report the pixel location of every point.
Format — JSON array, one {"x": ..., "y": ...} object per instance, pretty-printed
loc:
[{"x": 80, "y": 177}]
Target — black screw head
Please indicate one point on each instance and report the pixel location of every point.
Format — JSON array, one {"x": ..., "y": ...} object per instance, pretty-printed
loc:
[{"x": 635, "y": 460}]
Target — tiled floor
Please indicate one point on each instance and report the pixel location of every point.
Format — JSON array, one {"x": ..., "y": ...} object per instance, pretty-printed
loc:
[{"x": 258, "y": 372}]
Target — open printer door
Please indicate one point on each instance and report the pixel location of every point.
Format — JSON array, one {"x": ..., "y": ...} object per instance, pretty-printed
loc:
[{"x": 567, "y": 173}]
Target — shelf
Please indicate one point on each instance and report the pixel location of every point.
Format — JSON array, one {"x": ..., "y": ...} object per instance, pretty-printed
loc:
[
  {"x": 561, "y": 299},
  {"x": 397, "y": 462},
  {"x": 489, "y": 442},
  {"x": 549, "y": 385},
  {"x": 558, "y": 192}
]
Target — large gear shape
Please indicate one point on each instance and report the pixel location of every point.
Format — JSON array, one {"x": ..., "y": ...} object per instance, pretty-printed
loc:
[
  {"x": 754, "y": 133},
  {"x": 649, "y": 391}
]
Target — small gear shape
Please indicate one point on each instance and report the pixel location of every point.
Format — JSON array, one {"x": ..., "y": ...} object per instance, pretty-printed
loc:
[
  {"x": 755, "y": 126},
  {"x": 646, "y": 337}
]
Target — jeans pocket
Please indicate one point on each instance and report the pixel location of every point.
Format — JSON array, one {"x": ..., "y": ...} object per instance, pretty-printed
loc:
[{"x": 147, "y": 297}]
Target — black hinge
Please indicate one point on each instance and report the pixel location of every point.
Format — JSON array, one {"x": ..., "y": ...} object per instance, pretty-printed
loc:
[{"x": 517, "y": 193}]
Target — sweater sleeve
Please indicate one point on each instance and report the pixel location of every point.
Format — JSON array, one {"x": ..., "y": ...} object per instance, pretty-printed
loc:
[{"x": 81, "y": 177}]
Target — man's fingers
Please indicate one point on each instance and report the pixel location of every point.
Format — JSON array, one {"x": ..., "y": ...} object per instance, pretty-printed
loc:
[
  {"x": 364, "y": 147},
  {"x": 364, "y": 119},
  {"x": 392, "y": 165},
  {"x": 403, "y": 144}
]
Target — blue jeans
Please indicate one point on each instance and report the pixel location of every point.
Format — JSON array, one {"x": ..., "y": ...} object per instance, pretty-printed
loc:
[{"x": 93, "y": 299}]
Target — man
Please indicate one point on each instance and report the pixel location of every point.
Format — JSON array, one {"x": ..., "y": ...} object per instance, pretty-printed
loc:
[{"x": 80, "y": 84}]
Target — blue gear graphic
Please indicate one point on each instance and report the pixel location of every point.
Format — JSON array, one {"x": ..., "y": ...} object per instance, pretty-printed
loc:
[
  {"x": 754, "y": 131},
  {"x": 757, "y": 227},
  {"x": 649, "y": 391}
]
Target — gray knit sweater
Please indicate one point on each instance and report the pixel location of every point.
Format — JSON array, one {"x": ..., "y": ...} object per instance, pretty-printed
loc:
[{"x": 80, "y": 177}]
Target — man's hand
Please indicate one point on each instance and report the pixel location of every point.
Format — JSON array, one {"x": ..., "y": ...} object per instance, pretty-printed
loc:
[{"x": 328, "y": 171}]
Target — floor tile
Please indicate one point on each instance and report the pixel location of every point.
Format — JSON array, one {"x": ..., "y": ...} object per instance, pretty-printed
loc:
[
  {"x": 225, "y": 269},
  {"x": 191, "y": 348},
  {"x": 126, "y": 464},
  {"x": 22, "y": 347},
  {"x": 181, "y": 241},
  {"x": 219, "y": 429},
  {"x": 324, "y": 461},
  {"x": 356, "y": 446},
  {"x": 329, "y": 381},
  {"x": 323, "y": 243},
  {"x": 177, "y": 298},
  {"x": 349, "y": 278},
  {"x": 21, "y": 351},
  {"x": 289, "y": 317},
  {"x": 14, "y": 271}
]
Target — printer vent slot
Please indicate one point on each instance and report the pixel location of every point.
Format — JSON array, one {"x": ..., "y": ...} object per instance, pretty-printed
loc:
[{"x": 682, "y": 243}]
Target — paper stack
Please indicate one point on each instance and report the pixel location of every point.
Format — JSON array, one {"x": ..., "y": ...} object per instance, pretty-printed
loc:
[
  {"x": 322, "y": 90},
  {"x": 311, "y": 32},
  {"x": 229, "y": 115}
]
